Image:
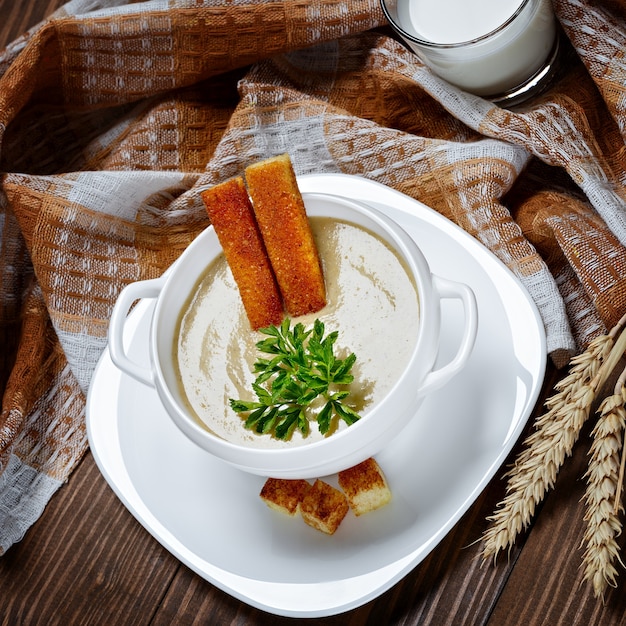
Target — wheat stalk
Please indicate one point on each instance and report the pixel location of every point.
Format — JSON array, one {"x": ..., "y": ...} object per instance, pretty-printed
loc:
[
  {"x": 556, "y": 431},
  {"x": 603, "y": 523}
]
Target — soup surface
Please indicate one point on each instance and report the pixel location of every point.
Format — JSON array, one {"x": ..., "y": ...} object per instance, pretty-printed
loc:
[{"x": 371, "y": 301}]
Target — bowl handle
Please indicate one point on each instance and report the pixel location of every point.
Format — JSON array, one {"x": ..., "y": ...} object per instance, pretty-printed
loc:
[
  {"x": 451, "y": 289},
  {"x": 128, "y": 295}
]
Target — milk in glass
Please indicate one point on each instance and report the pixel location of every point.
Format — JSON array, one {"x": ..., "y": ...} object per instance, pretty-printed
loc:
[{"x": 487, "y": 47}]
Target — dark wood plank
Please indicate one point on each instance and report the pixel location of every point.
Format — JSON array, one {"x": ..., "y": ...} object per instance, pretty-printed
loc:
[
  {"x": 86, "y": 559},
  {"x": 546, "y": 585},
  {"x": 16, "y": 17}
]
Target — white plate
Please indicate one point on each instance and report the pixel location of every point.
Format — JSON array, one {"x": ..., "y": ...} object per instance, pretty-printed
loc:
[{"x": 210, "y": 516}]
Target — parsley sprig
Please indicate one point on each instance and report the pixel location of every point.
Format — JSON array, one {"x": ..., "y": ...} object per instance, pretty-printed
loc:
[{"x": 301, "y": 367}]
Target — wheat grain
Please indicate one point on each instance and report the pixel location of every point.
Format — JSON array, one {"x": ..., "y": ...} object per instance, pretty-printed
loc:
[
  {"x": 621, "y": 383},
  {"x": 603, "y": 523},
  {"x": 556, "y": 431},
  {"x": 620, "y": 481}
]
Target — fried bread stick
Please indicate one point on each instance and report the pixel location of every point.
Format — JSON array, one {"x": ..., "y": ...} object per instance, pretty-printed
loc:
[
  {"x": 284, "y": 226},
  {"x": 230, "y": 212}
]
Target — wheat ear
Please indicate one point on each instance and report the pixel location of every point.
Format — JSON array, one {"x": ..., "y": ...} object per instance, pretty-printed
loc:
[
  {"x": 556, "y": 431},
  {"x": 620, "y": 479},
  {"x": 603, "y": 523}
]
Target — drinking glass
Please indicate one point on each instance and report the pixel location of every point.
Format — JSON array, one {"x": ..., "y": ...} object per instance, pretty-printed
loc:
[{"x": 503, "y": 50}]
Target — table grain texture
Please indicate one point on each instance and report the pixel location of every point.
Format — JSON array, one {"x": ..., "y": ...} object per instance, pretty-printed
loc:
[{"x": 88, "y": 561}]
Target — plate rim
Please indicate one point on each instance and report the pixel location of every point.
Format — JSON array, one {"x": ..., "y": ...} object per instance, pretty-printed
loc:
[{"x": 234, "y": 584}]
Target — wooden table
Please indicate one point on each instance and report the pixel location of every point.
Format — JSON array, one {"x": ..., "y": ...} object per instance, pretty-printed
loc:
[{"x": 88, "y": 561}]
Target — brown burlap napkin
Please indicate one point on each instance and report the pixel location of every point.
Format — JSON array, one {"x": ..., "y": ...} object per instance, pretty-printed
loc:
[{"x": 114, "y": 115}]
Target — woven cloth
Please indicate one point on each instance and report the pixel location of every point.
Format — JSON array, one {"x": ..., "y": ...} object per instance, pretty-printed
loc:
[{"x": 115, "y": 115}]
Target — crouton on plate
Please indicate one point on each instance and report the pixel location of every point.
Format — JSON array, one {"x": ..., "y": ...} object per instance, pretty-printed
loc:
[
  {"x": 284, "y": 495},
  {"x": 365, "y": 487},
  {"x": 324, "y": 507}
]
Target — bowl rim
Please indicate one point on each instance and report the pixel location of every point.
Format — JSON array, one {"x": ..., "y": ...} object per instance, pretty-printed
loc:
[{"x": 280, "y": 459}]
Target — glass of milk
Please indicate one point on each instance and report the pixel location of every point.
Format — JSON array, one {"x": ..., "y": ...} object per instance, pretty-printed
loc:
[{"x": 503, "y": 50}]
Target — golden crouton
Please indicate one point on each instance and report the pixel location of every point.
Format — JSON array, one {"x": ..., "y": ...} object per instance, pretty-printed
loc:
[
  {"x": 324, "y": 507},
  {"x": 285, "y": 228},
  {"x": 365, "y": 487},
  {"x": 284, "y": 495},
  {"x": 230, "y": 212}
]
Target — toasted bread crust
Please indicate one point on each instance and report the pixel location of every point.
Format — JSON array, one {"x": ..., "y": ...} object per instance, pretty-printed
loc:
[
  {"x": 365, "y": 487},
  {"x": 230, "y": 212},
  {"x": 324, "y": 507},
  {"x": 284, "y": 495},
  {"x": 284, "y": 225}
]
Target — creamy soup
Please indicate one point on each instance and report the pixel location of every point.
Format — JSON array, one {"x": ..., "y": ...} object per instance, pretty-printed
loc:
[{"x": 371, "y": 301}]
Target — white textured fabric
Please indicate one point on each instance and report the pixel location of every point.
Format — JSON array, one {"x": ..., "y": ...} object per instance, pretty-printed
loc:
[
  {"x": 24, "y": 493},
  {"x": 116, "y": 115}
]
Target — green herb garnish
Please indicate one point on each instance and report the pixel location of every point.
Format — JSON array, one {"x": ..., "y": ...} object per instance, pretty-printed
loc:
[{"x": 302, "y": 368}]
